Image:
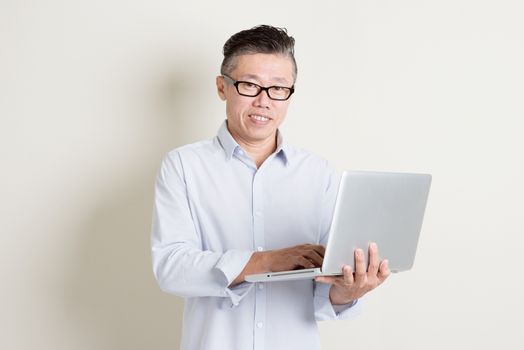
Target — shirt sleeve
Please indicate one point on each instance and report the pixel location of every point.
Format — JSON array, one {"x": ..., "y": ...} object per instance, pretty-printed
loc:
[
  {"x": 180, "y": 265},
  {"x": 324, "y": 310}
]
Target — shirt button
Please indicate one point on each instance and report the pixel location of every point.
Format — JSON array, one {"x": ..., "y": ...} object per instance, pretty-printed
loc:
[
  {"x": 260, "y": 249},
  {"x": 260, "y": 325},
  {"x": 260, "y": 286},
  {"x": 259, "y": 213}
]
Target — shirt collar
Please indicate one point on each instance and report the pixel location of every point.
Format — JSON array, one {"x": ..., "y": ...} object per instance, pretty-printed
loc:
[
  {"x": 229, "y": 144},
  {"x": 282, "y": 150},
  {"x": 227, "y": 141}
]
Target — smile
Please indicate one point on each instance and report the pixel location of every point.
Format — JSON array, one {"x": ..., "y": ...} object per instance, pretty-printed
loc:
[{"x": 260, "y": 118}]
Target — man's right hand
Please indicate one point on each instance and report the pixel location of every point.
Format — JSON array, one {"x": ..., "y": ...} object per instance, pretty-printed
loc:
[{"x": 304, "y": 256}]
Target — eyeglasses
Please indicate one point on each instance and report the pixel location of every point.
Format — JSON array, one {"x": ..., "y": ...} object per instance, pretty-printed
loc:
[{"x": 246, "y": 88}]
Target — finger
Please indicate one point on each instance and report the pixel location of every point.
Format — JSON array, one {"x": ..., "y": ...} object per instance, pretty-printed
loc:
[
  {"x": 348, "y": 275},
  {"x": 314, "y": 257},
  {"x": 302, "y": 262},
  {"x": 374, "y": 260},
  {"x": 326, "y": 279},
  {"x": 319, "y": 249},
  {"x": 360, "y": 267},
  {"x": 383, "y": 271}
]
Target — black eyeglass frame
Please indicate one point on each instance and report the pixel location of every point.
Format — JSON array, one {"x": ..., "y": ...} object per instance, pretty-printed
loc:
[{"x": 235, "y": 83}]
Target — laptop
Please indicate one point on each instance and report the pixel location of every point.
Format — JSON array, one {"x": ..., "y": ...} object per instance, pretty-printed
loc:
[{"x": 382, "y": 207}]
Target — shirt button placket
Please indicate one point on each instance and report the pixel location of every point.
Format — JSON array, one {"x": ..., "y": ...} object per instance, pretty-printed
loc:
[{"x": 259, "y": 244}]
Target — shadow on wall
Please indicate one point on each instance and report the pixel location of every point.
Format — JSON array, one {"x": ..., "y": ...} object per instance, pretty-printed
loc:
[{"x": 111, "y": 292}]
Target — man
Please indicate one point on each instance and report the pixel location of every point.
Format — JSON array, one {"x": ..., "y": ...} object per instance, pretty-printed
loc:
[{"x": 247, "y": 202}]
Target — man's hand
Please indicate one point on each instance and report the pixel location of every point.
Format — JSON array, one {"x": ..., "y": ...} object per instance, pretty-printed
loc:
[
  {"x": 304, "y": 256},
  {"x": 352, "y": 286}
]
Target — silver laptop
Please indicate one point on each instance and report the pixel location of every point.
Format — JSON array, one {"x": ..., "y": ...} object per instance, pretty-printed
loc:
[{"x": 386, "y": 208}]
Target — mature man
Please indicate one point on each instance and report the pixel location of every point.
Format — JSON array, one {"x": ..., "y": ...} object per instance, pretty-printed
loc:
[{"x": 248, "y": 202}]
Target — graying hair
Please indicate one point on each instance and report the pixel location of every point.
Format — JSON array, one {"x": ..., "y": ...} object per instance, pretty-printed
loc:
[{"x": 260, "y": 39}]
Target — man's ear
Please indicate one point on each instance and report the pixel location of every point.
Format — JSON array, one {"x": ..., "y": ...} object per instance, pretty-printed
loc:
[{"x": 221, "y": 87}]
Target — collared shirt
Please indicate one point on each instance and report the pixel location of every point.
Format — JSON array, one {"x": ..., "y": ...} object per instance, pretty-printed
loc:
[{"x": 213, "y": 209}]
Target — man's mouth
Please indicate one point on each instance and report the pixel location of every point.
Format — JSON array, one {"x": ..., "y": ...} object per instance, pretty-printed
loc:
[{"x": 260, "y": 118}]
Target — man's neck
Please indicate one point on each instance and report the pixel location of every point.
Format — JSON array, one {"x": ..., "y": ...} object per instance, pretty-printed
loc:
[{"x": 259, "y": 151}]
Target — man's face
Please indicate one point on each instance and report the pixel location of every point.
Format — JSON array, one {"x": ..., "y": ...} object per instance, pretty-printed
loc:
[{"x": 254, "y": 120}]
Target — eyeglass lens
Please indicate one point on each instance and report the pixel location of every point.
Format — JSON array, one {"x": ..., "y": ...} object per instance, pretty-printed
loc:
[{"x": 274, "y": 92}]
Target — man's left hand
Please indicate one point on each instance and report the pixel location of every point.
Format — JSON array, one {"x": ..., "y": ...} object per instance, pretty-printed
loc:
[{"x": 351, "y": 286}]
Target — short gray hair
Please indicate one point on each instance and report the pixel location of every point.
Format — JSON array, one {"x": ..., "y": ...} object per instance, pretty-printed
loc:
[{"x": 260, "y": 39}]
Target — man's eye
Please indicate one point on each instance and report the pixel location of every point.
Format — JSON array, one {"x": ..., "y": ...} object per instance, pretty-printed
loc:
[{"x": 250, "y": 85}]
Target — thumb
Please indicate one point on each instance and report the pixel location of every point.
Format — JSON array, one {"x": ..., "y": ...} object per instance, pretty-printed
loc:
[{"x": 323, "y": 279}]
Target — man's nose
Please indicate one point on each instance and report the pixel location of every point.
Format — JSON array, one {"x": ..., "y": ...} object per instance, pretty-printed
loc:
[{"x": 262, "y": 100}]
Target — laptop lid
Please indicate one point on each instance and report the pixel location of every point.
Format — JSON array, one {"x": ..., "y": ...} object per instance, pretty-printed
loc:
[{"x": 382, "y": 207}]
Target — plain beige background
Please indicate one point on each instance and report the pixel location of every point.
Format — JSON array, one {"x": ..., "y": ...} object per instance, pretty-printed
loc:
[{"x": 94, "y": 93}]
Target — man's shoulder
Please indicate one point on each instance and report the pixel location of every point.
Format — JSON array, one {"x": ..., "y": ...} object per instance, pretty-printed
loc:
[
  {"x": 196, "y": 149},
  {"x": 303, "y": 155},
  {"x": 310, "y": 165}
]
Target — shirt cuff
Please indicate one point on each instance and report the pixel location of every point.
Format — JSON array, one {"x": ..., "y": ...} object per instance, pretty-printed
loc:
[
  {"x": 324, "y": 310},
  {"x": 231, "y": 265},
  {"x": 341, "y": 308}
]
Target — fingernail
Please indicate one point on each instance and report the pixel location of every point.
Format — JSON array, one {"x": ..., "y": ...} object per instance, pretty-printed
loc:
[{"x": 373, "y": 245}]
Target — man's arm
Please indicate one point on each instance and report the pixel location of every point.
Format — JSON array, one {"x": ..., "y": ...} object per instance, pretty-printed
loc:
[{"x": 180, "y": 264}]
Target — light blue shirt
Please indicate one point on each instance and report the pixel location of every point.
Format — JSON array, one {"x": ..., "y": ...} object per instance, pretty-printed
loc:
[{"x": 213, "y": 209}]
